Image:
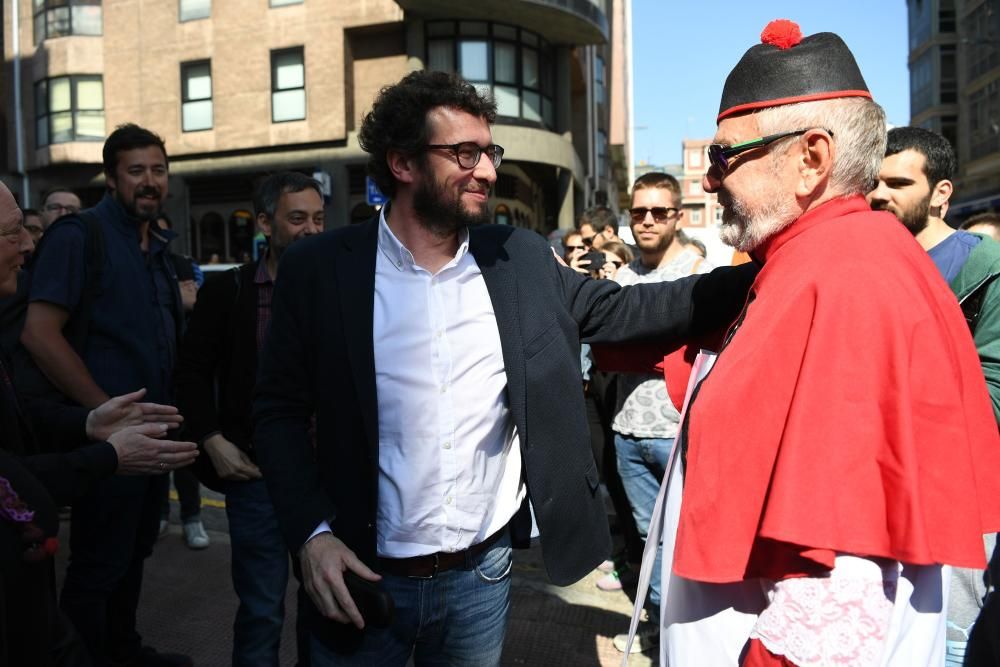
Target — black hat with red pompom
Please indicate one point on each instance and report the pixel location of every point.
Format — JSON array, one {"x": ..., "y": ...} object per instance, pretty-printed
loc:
[{"x": 786, "y": 68}]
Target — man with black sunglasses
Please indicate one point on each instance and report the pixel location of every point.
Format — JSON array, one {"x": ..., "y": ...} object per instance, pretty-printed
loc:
[
  {"x": 841, "y": 453},
  {"x": 441, "y": 359}
]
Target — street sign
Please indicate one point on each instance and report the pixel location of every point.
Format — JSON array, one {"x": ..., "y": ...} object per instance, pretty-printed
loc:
[{"x": 375, "y": 196}]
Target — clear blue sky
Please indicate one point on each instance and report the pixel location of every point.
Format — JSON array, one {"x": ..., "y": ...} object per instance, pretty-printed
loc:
[{"x": 684, "y": 49}]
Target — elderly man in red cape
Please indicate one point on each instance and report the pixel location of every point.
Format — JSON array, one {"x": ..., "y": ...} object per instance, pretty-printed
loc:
[{"x": 842, "y": 452}]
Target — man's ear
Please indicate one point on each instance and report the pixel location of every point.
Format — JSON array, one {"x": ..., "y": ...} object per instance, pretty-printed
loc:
[
  {"x": 816, "y": 161},
  {"x": 110, "y": 181},
  {"x": 264, "y": 224},
  {"x": 941, "y": 193},
  {"x": 402, "y": 165}
]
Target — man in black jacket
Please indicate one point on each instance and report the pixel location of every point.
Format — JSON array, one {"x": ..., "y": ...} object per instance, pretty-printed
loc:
[
  {"x": 432, "y": 350},
  {"x": 220, "y": 347}
]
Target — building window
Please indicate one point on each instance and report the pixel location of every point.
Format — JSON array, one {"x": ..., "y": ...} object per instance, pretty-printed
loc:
[
  {"x": 516, "y": 66},
  {"x": 69, "y": 108},
  {"x": 600, "y": 80},
  {"x": 288, "y": 85},
  {"x": 59, "y": 18},
  {"x": 602, "y": 154},
  {"x": 190, "y": 10},
  {"x": 282, "y": 3},
  {"x": 196, "y": 96}
]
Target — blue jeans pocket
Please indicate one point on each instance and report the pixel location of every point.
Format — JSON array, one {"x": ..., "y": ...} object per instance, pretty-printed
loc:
[{"x": 495, "y": 564}]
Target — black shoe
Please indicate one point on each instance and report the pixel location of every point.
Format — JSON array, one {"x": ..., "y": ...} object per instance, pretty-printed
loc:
[{"x": 150, "y": 657}]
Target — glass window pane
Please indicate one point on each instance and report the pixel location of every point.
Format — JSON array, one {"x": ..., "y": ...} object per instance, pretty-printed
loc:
[
  {"x": 529, "y": 38},
  {"x": 87, "y": 20},
  {"x": 62, "y": 127},
  {"x": 440, "y": 28},
  {"x": 548, "y": 113},
  {"x": 58, "y": 22},
  {"x": 39, "y": 29},
  {"x": 195, "y": 9},
  {"x": 472, "y": 56},
  {"x": 288, "y": 105},
  {"x": 38, "y": 5},
  {"x": 504, "y": 63},
  {"x": 90, "y": 94},
  {"x": 441, "y": 55},
  {"x": 508, "y": 101},
  {"x": 59, "y": 95},
  {"x": 41, "y": 98},
  {"x": 42, "y": 131},
  {"x": 547, "y": 69},
  {"x": 532, "y": 108},
  {"x": 90, "y": 125},
  {"x": 473, "y": 28},
  {"x": 197, "y": 115},
  {"x": 529, "y": 68},
  {"x": 504, "y": 31},
  {"x": 197, "y": 82},
  {"x": 288, "y": 71}
]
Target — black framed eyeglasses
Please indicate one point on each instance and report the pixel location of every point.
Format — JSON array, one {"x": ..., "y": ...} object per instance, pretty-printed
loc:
[
  {"x": 719, "y": 155},
  {"x": 660, "y": 213},
  {"x": 467, "y": 153}
]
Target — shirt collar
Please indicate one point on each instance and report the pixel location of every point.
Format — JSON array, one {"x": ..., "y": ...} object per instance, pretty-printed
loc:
[
  {"x": 825, "y": 212},
  {"x": 400, "y": 256}
]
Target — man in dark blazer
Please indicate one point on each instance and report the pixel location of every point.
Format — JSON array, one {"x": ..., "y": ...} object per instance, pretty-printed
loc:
[{"x": 433, "y": 350}]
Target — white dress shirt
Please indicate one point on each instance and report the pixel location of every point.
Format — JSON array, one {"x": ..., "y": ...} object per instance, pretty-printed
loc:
[{"x": 449, "y": 454}]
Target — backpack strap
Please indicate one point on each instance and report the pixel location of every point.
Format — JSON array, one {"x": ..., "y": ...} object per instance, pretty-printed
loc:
[{"x": 972, "y": 305}]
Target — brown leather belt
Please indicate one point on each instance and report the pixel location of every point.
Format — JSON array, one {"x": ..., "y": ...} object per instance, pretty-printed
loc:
[{"x": 429, "y": 566}]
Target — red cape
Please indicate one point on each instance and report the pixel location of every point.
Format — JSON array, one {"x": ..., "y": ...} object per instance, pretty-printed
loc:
[{"x": 849, "y": 413}]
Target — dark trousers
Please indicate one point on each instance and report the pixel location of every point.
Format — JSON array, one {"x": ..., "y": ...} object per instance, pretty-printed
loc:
[
  {"x": 188, "y": 494},
  {"x": 112, "y": 533}
]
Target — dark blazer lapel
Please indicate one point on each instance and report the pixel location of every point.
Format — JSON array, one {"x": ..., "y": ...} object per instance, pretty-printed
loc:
[
  {"x": 355, "y": 267},
  {"x": 501, "y": 283}
]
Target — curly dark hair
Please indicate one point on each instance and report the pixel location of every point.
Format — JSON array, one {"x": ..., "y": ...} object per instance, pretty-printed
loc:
[
  {"x": 398, "y": 119},
  {"x": 940, "y": 162},
  {"x": 127, "y": 137}
]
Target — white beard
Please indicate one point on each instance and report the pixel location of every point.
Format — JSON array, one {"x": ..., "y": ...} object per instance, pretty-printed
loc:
[{"x": 745, "y": 227}]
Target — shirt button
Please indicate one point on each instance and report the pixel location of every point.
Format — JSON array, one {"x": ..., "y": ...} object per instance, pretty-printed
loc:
[
  {"x": 447, "y": 445},
  {"x": 447, "y": 501},
  {"x": 444, "y": 388}
]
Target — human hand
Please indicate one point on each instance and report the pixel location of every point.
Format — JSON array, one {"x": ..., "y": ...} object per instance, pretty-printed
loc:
[
  {"x": 608, "y": 271},
  {"x": 122, "y": 411},
  {"x": 578, "y": 263},
  {"x": 142, "y": 451},
  {"x": 229, "y": 461},
  {"x": 189, "y": 294},
  {"x": 324, "y": 560}
]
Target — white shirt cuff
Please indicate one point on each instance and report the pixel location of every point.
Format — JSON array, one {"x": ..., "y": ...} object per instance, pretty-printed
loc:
[{"x": 320, "y": 529}]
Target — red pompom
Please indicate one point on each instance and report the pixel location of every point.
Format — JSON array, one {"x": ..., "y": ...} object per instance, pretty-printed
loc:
[
  {"x": 51, "y": 546},
  {"x": 781, "y": 33}
]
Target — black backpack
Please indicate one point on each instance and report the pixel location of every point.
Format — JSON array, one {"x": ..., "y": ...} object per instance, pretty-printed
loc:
[{"x": 31, "y": 382}]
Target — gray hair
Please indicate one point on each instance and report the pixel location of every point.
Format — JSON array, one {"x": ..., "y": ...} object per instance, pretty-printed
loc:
[
  {"x": 269, "y": 192},
  {"x": 859, "y": 134}
]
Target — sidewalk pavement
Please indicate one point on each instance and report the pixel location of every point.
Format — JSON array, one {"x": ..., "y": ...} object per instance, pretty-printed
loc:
[{"x": 188, "y": 606}]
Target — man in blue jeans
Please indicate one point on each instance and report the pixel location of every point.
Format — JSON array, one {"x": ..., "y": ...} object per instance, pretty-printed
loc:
[
  {"x": 646, "y": 420},
  {"x": 219, "y": 350}
]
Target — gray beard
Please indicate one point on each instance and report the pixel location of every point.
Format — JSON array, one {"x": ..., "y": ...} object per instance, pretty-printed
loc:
[{"x": 747, "y": 228}]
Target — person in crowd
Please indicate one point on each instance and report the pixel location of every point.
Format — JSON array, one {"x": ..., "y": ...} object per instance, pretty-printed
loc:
[
  {"x": 915, "y": 185},
  {"x": 814, "y": 471},
  {"x": 692, "y": 244},
  {"x": 573, "y": 245},
  {"x": 135, "y": 320},
  {"x": 646, "y": 420},
  {"x": 987, "y": 223},
  {"x": 598, "y": 225},
  {"x": 33, "y": 223},
  {"x": 185, "y": 482},
  {"x": 44, "y": 462},
  {"x": 57, "y": 202},
  {"x": 418, "y": 340},
  {"x": 215, "y": 377}
]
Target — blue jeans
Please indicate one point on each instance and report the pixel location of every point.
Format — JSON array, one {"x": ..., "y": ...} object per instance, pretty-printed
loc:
[
  {"x": 457, "y": 618},
  {"x": 641, "y": 464},
  {"x": 260, "y": 573}
]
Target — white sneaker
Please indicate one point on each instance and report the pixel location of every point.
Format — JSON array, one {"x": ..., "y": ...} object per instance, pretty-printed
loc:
[
  {"x": 647, "y": 638},
  {"x": 195, "y": 536}
]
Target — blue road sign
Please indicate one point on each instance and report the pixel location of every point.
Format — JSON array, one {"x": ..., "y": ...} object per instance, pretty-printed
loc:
[{"x": 375, "y": 196}]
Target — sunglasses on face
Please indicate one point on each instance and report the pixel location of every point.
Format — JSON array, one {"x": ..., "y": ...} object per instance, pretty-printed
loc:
[
  {"x": 588, "y": 241},
  {"x": 570, "y": 248},
  {"x": 660, "y": 213},
  {"x": 468, "y": 153},
  {"x": 719, "y": 155}
]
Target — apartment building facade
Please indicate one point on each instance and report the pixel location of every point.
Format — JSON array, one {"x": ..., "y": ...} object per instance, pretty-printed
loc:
[{"x": 241, "y": 89}]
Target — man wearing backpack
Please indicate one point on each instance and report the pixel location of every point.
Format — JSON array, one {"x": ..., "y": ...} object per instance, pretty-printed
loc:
[
  {"x": 914, "y": 184},
  {"x": 100, "y": 331}
]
